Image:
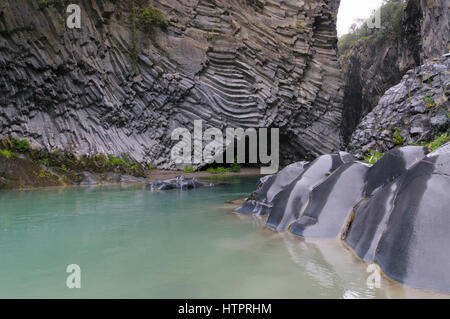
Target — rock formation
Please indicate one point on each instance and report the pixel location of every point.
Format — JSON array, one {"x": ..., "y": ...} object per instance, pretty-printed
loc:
[
  {"x": 375, "y": 65},
  {"x": 435, "y": 29},
  {"x": 237, "y": 63},
  {"x": 179, "y": 182},
  {"x": 394, "y": 213},
  {"x": 415, "y": 110}
]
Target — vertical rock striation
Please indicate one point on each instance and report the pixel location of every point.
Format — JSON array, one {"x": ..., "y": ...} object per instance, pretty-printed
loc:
[{"x": 230, "y": 63}]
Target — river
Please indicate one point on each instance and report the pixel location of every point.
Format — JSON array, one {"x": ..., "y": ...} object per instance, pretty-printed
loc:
[{"x": 132, "y": 243}]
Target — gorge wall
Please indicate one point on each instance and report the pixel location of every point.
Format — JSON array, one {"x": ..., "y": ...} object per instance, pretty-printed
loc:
[
  {"x": 375, "y": 65},
  {"x": 238, "y": 63}
]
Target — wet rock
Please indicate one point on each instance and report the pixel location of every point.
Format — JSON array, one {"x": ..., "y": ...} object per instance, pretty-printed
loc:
[
  {"x": 289, "y": 204},
  {"x": 394, "y": 213},
  {"x": 411, "y": 250},
  {"x": 370, "y": 221},
  {"x": 260, "y": 201},
  {"x": 179, "y": 182},
  {"x": 128, "y": 179},
  {"x": 89, "y": 178},
  {"x": 331, "y": 203}
]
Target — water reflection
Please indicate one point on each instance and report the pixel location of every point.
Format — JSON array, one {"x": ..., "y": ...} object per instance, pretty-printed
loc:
[{"x": 333, "y": 267}]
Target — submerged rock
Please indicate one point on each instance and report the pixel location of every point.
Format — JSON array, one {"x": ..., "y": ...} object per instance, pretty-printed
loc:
[
  {"x": 394, "y": 213},
  {"x": 179, "y": 182}
]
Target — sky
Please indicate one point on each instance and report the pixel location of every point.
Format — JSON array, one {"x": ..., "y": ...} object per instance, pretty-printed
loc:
[{"x": 350, "y": 10}]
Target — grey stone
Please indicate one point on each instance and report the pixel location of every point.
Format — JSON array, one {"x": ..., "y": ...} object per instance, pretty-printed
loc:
[
  {"x": 86, "y": 98},
  {"x": 418, "y": 123}
]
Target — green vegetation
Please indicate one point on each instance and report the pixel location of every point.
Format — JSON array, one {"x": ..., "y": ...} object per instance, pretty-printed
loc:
[
  {"x": 6, "y": 153},
  {"x": 150, "y": 166},
  {"x": 212, "y": 33},
  {"x": 146, "y": 17},
  {"x": 98, "y": 163},
  {"x": 373, "y": 157},
  {"x": 44, "y": 173},
  {"x": 219, "y": 170},
  {"x": 149, "y": 16},
  {"x": 20, "y": 146},
  {"x": 122, "y": 162},
  {"x": 391, "y": 27},
  {"x": 397, "y": 138},
  {"x": 52, "y": 4},
  {"x": 437, "y": 142},
  {"x": 189, "y": 169},
  {"x": 429, "y": 101},
  {"x": 235, "y": 167},
  {"x": 301, "y": 24}
]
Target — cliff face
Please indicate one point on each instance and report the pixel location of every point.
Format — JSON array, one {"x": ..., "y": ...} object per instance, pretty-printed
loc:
[
  {"x": 415, "y": 110},
  {"x": 229, "y": 63},
  {"x": 368, "y": 72},
  {"x": 435, "y": 29},
  {"x": 372, "y": 67}
]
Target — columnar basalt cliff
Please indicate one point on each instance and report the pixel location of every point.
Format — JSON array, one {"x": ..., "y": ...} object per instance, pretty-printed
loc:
[{"x": 230, "y": 63}]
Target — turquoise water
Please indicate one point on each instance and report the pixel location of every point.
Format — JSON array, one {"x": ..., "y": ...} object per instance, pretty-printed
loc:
[{"x": 131, "y": 243}]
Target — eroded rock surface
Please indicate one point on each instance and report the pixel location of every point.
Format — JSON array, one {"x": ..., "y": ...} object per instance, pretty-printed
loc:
[
  {"x": 394, "y": 213},
  {"x": 374, "y": 65},
  {"x": 179, "y": 182},
  {"x": 229, "y": 63},
  {"x": 289, "y": 204},
  {"x": 415, "y": 110},
  {"x": 260, "y": 201}
]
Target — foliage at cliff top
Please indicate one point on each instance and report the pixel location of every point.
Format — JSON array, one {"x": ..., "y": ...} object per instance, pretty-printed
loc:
[{"x": 391, "y": 27}]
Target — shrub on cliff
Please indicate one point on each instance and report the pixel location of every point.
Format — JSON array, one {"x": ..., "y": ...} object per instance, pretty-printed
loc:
[
  {"x": 20, "y": 146},
  {"x": 149, "y": 16}
]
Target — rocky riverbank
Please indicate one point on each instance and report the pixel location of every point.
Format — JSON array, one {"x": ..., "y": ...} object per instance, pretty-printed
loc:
[{"x": 24, "y": 167}]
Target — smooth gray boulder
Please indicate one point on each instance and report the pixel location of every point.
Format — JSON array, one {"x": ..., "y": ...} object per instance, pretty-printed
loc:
[
  {"x": 260, "y": 201},
  {"x": 393, "y": 164},
  {"x": 395, "y": 213},
  {"x": 289, "y": 204},
  {"x": 331, "y": 203},
  {"x": 382, "y": 181},
  {"x": 370, "y": 221},
  {"x": 414, "y": 247}
]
